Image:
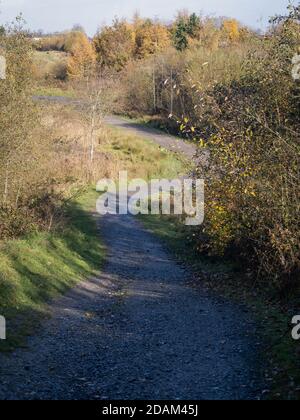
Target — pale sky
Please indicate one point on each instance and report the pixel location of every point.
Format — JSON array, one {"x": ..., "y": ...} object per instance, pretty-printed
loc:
[{"x": 57, "y": 15}]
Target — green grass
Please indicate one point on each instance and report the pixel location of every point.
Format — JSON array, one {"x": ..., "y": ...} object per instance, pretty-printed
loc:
[
  {"x": 49, "y": 64},
  {"x": 177, "y": 237},
  {"x": 142, "y": 158},
  {"x": 53, "y": 91},
  {"x": 49, "y": 57},
  {"x": 35, "y": 269},
  {"x": 42, "y": 266},
  {"x": 161, "y": 123}
]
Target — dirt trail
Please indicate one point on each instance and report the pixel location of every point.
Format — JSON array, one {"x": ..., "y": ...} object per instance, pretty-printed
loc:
[
  {"x": 172, "y": 143},
  {"x": 138, "y": 331}
]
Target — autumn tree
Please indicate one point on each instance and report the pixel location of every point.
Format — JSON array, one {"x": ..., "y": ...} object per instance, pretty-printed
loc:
[
  {"x": 82, "y": 54},
  {"x": 16, "y": 109},
  {"x": 150, "y": 38},
  {"x": 23, "y": 180},
  {"x": 115, "y": 45},
  {"x": 231, "y": 29}
]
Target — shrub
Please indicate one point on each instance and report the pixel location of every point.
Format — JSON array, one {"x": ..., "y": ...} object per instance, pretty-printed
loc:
[
  {"x": 115, "y": 45},
  {"x": 83, "y": 56},
  {"x": 252, "y": 131},
  {"x": 236, "y": 97},
  {"x": 40, "y": 166}
]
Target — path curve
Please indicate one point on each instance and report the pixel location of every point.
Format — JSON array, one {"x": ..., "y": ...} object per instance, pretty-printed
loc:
[
  {"x": 138, "y": 331},
  {"x": 171, "y": 143}
]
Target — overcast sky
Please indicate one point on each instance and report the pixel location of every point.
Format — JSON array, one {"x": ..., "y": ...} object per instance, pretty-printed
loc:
[{"x": 57, "y": 15}]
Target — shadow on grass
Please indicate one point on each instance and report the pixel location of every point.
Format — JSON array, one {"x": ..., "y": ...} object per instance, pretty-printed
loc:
[{"x": 38, "y": 268}]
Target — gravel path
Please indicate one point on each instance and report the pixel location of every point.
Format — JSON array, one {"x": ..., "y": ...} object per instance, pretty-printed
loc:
[
  {"x": 172, "y": 143},
  {"x": 137, "y": 332}
]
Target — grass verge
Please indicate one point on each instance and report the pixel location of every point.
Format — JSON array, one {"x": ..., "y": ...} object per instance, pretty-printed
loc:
[
  {"x": 40, "y": 267},
  {"x": 141, "y": 157},
  {"x": 52, "y": 91},
  {"x": 44, "y": 265}
]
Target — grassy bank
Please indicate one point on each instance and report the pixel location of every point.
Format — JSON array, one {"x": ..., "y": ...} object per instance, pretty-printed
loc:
[
  {"x": 229, "y": 279},
  {"x": 53, "y": 91},
  {"x": 141, "y": 157},
  {"x": 39, "y": 267},
  {"x": 44, "y": 265}
]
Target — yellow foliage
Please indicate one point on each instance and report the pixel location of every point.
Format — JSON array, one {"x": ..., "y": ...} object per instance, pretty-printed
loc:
[
  {"x": 231, "y": 28},
  {"x": 83, "y": 56},
  {"x": 151, "y": 38},
  {"x": 115, "y": 45}
]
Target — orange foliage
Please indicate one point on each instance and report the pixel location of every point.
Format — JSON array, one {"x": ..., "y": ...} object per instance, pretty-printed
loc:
[
  {"x": 151, "y": 38},
  {"x": 115, "y": 45},
  {"x": 231, "y": 29},
  {"x": 83, "y": 55}
]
